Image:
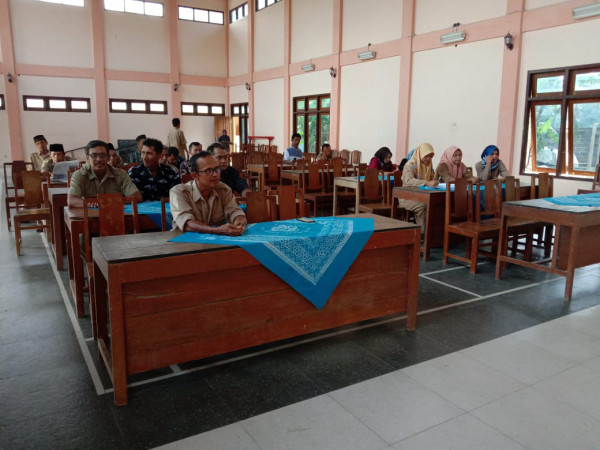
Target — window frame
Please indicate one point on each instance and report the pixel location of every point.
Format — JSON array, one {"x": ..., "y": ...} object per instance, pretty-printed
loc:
[
  {"x": 2, "y": 102},
  {"x": 62, "y": 2},
  {"x": 208, "y": 114},
  {"x": 46, "y": 100},
  {"x": 243, "y": 7},
  {"x": 130, "y": 110},
  {"x": 306, "y": 112},
  {"x": 256, "y": 8},
  {"x": 243, "y": 109},
  {"x": 201, "y": 9},
  {"x": 566, "y": 99},
  {"x": 143, "y": 14}
]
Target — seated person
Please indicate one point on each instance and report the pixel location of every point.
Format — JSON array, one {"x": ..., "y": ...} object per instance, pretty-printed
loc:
[
  {"x": 450, "y": 167},
  {"x": 184, "y": 168},
  {"x": 97, "y": 177},
  {"x": 293, "y": 153},
  {"x": 382, "y": 160},
  {"x": 224, "y": 138},
  {"x": 139, "y": 141},
  {"x": 205, "y": 204},
  {"x": 229, "y": 175},
  {"x": 113, "y": 157},
  {"x": 152, "y": 178},
  {"x": 405, "y": 160},
  {"x": 57, "y": 154},
  {"x": 38, "y": 158},
  {"x": 418, "y": 172},
  {"x": 490, "y": 167},
  {"x": 173, "y": 158},
  {"x": 326, "y": 153}
]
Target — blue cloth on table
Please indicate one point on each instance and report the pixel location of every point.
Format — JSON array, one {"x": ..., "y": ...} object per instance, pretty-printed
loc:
[
  {"x": 311, "y": 257},
  {"x": 589, "y": 200}
]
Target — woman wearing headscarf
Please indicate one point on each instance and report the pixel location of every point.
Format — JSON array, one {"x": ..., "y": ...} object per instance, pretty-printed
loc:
[
  {"x": 405, "y": 160},
  {"x": 451, "y": 167},
  {"x": 490, "y": 167},
  {"x": 418, "y": 171},
  {"x": 382, "y": 160}
]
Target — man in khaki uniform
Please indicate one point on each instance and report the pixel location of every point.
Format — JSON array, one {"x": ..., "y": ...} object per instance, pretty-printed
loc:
[
  {"x": 57, "y": 154},
  {"x": 38, "y": 158},
  {"x": 176, "y": 138},
  {"x": 97, "y": 177},
  {"x": 205, "y": 204}
]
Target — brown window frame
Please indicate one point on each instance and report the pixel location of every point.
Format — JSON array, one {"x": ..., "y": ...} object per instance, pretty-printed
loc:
[
  {"x": 256, "y": 8},
  {"x": 208, "y": 114},
  {"x": 46, "y": 99},
  {"x": 201, "y": 9},
  {"x": 306, "y": 112},
  {"x": 2, "y": 102},
  {"x": 129, "y": 110},
  {"x": 243, "y": 106},
  {"x": 566, "y": 99},
  {"x": 236, "y": 11}
]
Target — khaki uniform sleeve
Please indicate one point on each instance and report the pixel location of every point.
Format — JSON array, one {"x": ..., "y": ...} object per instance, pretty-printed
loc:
[
  {"x": 128, "y": 188},
  {"x": 181, "y": 207},
  {"x": 442, "y": 173},
  {"x": 502, "y": 171},
  {"x": 77, "y": 184},
  {"x": 47, "y": 166},
  {"x": 482, "y": 173},
  {"x": 409, "y": 176},
  {"x": 230, "y": 206}
]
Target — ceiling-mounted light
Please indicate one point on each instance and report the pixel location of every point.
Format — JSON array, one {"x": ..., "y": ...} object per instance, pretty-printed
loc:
[
  {"x": 508, "y": 41},
  {"x": 455, "y": 36},
  {"x": 308, "y": 67},
  {"x": 581, "y": 12},
  {"x": 369, "y": 54}
]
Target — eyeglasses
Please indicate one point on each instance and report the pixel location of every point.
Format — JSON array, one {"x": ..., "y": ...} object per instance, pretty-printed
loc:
[
  {"x": 98, "y": 155},
  {"x": 211, "y": 171}
]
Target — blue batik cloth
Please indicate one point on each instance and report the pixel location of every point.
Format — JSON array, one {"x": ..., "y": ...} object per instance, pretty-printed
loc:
[
  {"x": 311, "y": 257},
  {"x": 588, "y": 200}
]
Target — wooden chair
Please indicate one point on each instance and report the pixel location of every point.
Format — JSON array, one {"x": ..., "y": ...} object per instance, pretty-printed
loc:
[
  {"x": 259, "y": 207},
  {"x": 345, "y": 155},
  {"x": 289, "y": 200},
  {"x": 33, "y": 207},
  {"x": 111, "y": 222},
  {"x": 186, "y": 177},
  {"x": 163, "y": 213},
  {"x": 374, "y": 201},
  {"x": 314, "y": 189},
  {"x": 238, "y": 161},
  {"x": 355, "y": 157},
  {"x": 16, "y": 186},
  {"x": 542, "y": 186},
  {"x": 273, "y": 166}
]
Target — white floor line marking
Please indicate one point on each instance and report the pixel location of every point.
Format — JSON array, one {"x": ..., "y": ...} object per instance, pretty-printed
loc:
[
  {"x": 482, "y": 263},
  {"x": 175, "y": 368},
  {"x": 90, "y": 339},
  {"x": 453, "y": 287},
  {"x": 80, "y": 339}
]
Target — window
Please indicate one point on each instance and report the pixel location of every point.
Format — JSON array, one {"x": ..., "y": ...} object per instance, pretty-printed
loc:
[
  {"x": 311, "y": 121},
  {"x": 57, "y": 104},
  {"x": 239, "y": 109},
  {"x": 202, "y": 109},
  {"x": 238, "y": 13},
  {"x": 2, "y": 104},
  {"x": 65, "y": 2},
  {"x": 262, "y": 4},
  {"x": 201, "y": 15},
  {"x": 117, "y": 105},
  {"x": 562, "y": 131},
  {"x": 135, "y": 7}
]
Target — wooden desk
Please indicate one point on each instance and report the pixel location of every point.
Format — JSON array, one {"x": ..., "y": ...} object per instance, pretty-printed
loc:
[
  {"x": 73, "y": 218},
  {"x": 346, "y": 182},
  {"x": 159, "y": 321},
  {"x": 260, "y": 170},
  {"x": 58, "y": 201},
  {"x": 575, "y": 241}
]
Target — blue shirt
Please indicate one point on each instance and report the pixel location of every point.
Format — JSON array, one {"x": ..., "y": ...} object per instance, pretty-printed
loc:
[{"x": 292, "y": 153}]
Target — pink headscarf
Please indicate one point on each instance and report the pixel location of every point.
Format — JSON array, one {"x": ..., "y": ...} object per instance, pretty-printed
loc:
[{"x": 454, "y": 170}]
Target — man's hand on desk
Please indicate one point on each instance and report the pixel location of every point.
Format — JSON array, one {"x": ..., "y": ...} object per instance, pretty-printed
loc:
[
  {"x": 432, "y": 183},
  {"x": 230, "y": 229}
]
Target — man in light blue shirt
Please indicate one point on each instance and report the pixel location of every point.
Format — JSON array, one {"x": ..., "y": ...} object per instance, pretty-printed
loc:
[{"x": 292, "y": 153}]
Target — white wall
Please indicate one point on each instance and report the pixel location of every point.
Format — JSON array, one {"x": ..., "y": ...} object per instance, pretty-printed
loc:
[
  {"x": 554, "y": 48},
  {"x": 200, "y": 128},
  {"x": 136, "y": 42},
  {"x": 533, "y": 4},
  {"x": 238, "y": 47},
  {"x": 51, "y": 34},
  {"x": 202, "y": 49},
  {"x": 268, "y": 111},
  {"x": 373, "y": 22},
  {"x": 268, "y": 37},
  {"x": 434, "y": 15},
  {"x": 72, "y": 129},
  {"x": 238, "y": 94},
  {"x": 455, "y": 98},
  {"x": 369, "y": 106},
  {"x": 312, "y": 29},
  {"x": 128, "y": 126}
]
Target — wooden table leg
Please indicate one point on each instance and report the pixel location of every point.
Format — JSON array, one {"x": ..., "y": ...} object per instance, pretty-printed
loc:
[
  {"x": 357, "y": 190},
  {"x": 117, "y": 328},
  {"x": 334, "y": 199},
  {"x": 58, "y": 224},
  {"x": 77, "y": 264},
  {"x": 503, "y": 247},
  {"x": 571, "y": 263}
]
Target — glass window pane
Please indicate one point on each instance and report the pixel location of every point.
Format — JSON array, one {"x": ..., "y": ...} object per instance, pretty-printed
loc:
[
  {"x": 73, "y": 2},
  {"x": 187, "y": 109},
  {"x": 586, "y": 136},
  {"x": 312, "y": 134},
  {"x": 236, "y": 110},
  {"x": 138, "y": 106},
  {"x": 312, "y": 103},
  {"x": 186, "y": 13},
  {"x": 587, "y": 81},
  {"x": 270, "y": 2},
  {"x": 119, "y": 106},
  {"x": 1, "y": 102},
  {"x": 114, "y": 5},
  {"x": 325, "y": 103},
  {"x": 549, "y": 84},
  {"x": 134, "y": 6},
  {"x": 51, "y": 1},
  {"x": 324, "y": 129},
  {"x": 300, "y": 130},
  {"x": 157, "y": 107},
  {"x": 58, "y": 104},
  {"x": 217, "y": 110},
  {"x": 34, "y": 103},
  {"x": 215, "y": 17},
  {"x": 201, "y": 15},
  {"x": 79, "y": 104},
  {"x": 547, "y": 127},
  {"x": 202, "y": 109},
  {"x": 245, "y": 9},
  {"x": 261, "y": 4},
  {"x": 153, "y": 9},
  {"x": 300, "y": 105}
]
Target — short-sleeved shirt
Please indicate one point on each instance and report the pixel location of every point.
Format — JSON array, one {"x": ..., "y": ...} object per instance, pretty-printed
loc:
[
  {"x": 292, "y": 153},
  {"x": 231, "y": 177},
  {"x": 154, "y": 188},
  {"x": 176, "y": 139},
  {"x": 48, "y": 165},
  {"x": 85, "y": 183},
  {"x": 38, "y": 159},
  {"x": 185, "y": 167},
  {"x": 187, "y": 203}
]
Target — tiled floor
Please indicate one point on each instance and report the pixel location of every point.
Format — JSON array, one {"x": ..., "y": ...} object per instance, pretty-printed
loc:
[{"x": 493, "y": 364}]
